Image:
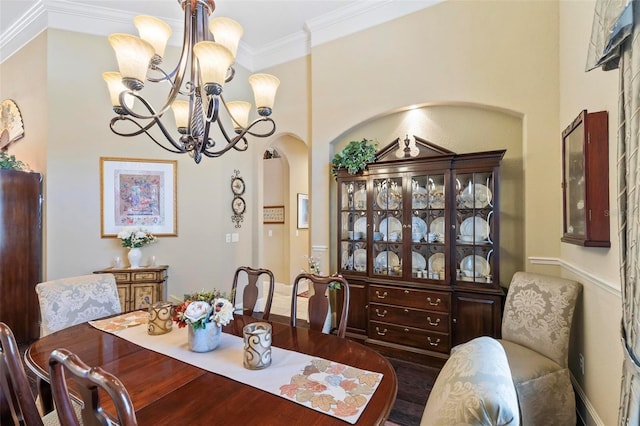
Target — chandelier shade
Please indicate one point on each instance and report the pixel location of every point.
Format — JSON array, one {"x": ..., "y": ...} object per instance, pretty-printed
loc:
[{"x": 195, "y": 85}]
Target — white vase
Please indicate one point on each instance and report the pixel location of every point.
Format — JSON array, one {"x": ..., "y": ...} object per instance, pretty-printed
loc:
[
  {"x": 204, "y": 339},
  {"x": 134, "y": 255}
]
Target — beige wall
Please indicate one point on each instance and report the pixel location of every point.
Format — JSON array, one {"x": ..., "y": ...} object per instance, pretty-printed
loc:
[{"x": 520, "y": 61}]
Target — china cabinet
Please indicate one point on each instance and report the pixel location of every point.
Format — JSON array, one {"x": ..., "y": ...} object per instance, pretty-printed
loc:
[
  {"x": 418, "y": 241},
  {"x": 139, "y": 288},
  {"x": 585, "y": 180}
]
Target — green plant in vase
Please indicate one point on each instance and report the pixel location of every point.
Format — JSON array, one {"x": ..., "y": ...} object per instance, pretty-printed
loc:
[
  {"x": 9, "y": 162},
  {"x": 354, "y": 157}
]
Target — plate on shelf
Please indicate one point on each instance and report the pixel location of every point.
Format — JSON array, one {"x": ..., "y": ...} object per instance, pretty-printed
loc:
[
  {"x": 436, "y": 263},
  {"x": 360, "y": 199},
  {"x": 387, "y": 260},
  {"x": 419, "y": 198},
  {"x": 418, "y": 262},
  {"x": 360, "y": 225},
  {"x": 388, "y": 225},
  {"x": 389, "y": 200},
  {"x": 437, "y": 227},
  {"x": 418, "y": 225},
  {"x": 474, "y": 266},
  {"x": 476, "y": 196},
  {"x": 474, "y": 229},
  {"x": 360, "y": 260},
  {"x": 436, "y": 197}
]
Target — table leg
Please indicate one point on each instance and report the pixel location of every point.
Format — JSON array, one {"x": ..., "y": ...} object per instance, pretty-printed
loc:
[{"x": 46, "y": 398}]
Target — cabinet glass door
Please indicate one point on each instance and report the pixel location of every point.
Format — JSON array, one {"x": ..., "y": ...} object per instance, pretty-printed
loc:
[
  {"x": 429, "y": 227},
  {"x": 353, "y": 225},
  {"x": 474, "y": 223},
  {"x": 387, "y": 226}
]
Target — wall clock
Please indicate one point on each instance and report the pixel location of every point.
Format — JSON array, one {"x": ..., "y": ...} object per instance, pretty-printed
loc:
[{"x": 238, "y": 205}]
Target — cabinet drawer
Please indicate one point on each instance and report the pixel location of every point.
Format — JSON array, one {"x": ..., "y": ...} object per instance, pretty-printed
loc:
[
  {"x": 145, "y": 276},
  {"x": 409, "y": 336},
  {"x": 121, "y": 276},
  {"x": 411, "y": 298},
  {"x": 426, "y": 320}
]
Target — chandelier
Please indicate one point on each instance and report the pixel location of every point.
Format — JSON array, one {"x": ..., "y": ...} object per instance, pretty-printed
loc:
[{"x": 205, "y": 65}]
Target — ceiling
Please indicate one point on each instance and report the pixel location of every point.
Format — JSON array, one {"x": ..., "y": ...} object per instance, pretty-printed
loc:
[{"x": 274, "y": 31}]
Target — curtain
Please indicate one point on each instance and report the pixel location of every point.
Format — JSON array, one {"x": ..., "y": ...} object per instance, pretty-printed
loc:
[{"x": 615, "y": 43}]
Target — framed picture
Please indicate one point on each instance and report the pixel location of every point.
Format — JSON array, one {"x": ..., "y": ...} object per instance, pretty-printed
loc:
[
  {"x": 273, "y": 214},
  {"x": 137, "y": 192},
  {"x": 303, "y": 211}
]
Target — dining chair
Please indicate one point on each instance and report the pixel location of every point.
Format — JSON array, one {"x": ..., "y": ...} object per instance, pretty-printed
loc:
[
  {"x": 536, "y": 327},
  {"x": 70, "y": 301},
  {"x": 16, "y": 399},
  {"x": 250, "y": 292},
  {"x": 319, "y": 308},
  {"x": 89, "y": 380}
]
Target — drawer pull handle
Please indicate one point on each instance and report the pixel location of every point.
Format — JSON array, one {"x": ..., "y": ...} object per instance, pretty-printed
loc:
[
  {"x": 433, "y": 343},
  {"x": 381, "y": 333},
  {"x": 381, "y": 315},
  {"x": 407, "y": 292},
  {"x": 436, "y": 303},
  {"x": 406, "y": 330},
  {"x": 381, "y": 296},
  {"x": 406, "y": 311},
  {"x": 433, "y": 323}
]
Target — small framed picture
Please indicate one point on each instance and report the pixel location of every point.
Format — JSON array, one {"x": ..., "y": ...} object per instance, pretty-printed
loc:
[
  {"x": 303, "y": 211},
  {"x": 273, "y": 214},
  {"x": 138, "y": 193}
]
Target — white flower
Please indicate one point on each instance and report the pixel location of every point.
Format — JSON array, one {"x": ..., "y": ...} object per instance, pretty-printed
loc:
[
  {"x": 197, "y": 310},
  {"x": 222, "y": 312}
]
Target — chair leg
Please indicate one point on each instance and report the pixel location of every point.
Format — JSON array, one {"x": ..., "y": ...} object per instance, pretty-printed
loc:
[{"x": 46, "y": 397}]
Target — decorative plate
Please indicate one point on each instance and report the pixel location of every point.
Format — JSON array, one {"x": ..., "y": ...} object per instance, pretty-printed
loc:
[
  {"x": 418, "y": 225},
  {"x": 418, "y": 262},
  {"x": 437, "y": 227},
  {"x": 360, "y": 225},
  {"x": 476, "y": 196},
  {"x": 419, "y": 198},
  {"x": 387, "y": 260},
  {"x": 389, "y": 200},
  {"x": 388, "y": 225},
  {"x": 436, "y": 197},
  {"x": 475, "y": 265},
  {"x": 360, "y": 199},
  {"x": 436, "y": 263},
  {"x": 474, "y": 229},
  {"x": 360, "y": 260}
]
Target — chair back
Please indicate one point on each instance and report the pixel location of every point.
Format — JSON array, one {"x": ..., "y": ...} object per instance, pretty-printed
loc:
[
  {"x": 250, "y": 292},
  {"x": 319, "y": 303},
  {"x": 538, "y": 313},
  {"x": 16, "y": 400},
  {"x": 89, "y": 380},
  {"x": 69, "y": 301}
]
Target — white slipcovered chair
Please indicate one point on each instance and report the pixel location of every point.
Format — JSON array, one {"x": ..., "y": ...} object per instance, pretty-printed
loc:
[
  {"x": 536, "y": 327},
  {"x": 69, "y": 301}
]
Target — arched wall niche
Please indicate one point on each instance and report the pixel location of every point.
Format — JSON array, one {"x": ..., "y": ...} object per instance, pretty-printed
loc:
[
  {"x": 283, "y": 245},
  {"x": 461, "y": 128}
]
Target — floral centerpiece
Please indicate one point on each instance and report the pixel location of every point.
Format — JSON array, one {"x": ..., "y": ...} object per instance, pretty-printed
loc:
[
  {"x": 136, "y": 237},
  {"x": 205, "y": 313},
  {"x": 314, "y": 268}
]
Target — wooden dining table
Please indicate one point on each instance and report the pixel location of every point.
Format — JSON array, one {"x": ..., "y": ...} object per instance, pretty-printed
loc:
[{"x": 167, "y": 391}]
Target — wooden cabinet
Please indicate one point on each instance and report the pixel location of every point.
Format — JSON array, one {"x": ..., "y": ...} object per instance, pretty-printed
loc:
[
  {"x": 420, "y": 237},
  {"x": 585, "y": 180},
  {"x": 20, "y": 251},
  {"x": 141, "y": 287}
]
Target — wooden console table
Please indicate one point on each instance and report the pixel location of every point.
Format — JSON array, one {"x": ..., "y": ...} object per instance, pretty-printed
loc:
[{"x": 139, "y": 288}]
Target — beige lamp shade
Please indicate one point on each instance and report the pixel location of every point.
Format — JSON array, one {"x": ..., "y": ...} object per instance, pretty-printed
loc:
[
  {"x": 114, "y": 83},
  {"x": 214, "y": 60},
  {"x": 181, "y": 113},
  {"x": 154, "y": 31},
  {"x": 264, "y": 89},
  {"x": 239, "y": 111},
  {"x": 133, "y": 55},
  {"x": 227, "y": 32}
]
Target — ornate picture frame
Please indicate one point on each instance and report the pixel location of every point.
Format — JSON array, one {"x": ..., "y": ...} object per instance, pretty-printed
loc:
[
  {"x": 303, "y": 211},
  {"x": 273, "y": 214},
  {"x": 137, "y": 192}
]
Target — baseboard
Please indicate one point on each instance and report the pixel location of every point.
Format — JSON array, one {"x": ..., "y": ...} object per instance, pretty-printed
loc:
[{"x": 585, "y": 412}]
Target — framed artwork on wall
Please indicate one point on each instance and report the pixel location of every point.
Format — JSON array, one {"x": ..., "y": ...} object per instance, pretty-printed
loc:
[
  {"x": 135, "y": 192},
  {"x": 303, "y": 211},
  {"x": 273, "y": 214}
]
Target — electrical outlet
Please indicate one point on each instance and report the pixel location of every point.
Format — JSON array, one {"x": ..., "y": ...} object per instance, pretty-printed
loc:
[
  {"x": 227, "y": 238},
  {"x": 581, "y": 360}
]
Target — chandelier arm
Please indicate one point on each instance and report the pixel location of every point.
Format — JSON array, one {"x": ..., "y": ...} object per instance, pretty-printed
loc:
[
  {"x": 262, "y": 135},
  {"x": 165, "y": 76},
  {"x": 143, "y": 129}
]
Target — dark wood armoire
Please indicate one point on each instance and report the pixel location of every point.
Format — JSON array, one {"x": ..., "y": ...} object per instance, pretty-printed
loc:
[{"x": 20, "y": 251}]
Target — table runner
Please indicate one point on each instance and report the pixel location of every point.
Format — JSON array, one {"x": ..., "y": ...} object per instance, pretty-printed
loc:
[{"x": 322, "y": 385}]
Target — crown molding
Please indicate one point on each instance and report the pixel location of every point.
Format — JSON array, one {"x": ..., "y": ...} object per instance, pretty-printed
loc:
[{"x": 104, "y": 21}]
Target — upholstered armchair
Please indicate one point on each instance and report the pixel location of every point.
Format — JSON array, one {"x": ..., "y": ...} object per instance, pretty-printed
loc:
[{"x": 536, "y": 326}]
